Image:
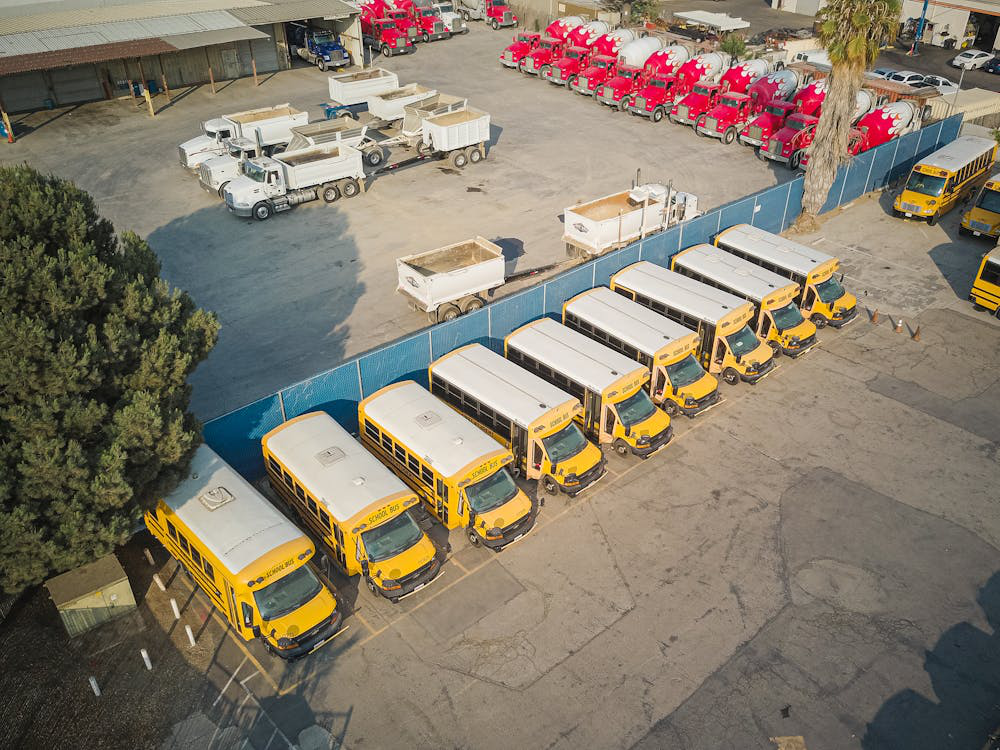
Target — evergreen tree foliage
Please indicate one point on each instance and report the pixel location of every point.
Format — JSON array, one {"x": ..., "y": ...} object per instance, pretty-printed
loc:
[{"x": 95, "y": 352}]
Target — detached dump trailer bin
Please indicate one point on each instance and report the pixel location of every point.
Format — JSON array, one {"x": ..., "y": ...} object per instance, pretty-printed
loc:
[
  {"x": 458, "y": 129},
  {"x": 267, "y": 126},
  {"x": 605, "y": 224},
  {"x": 355, "y": 88},
  {"x": 450, "y": 281},
  {"x": 390, "y": 105},
  {"x": 91, "y": 594},
  {"x": 415, "y": 114}
]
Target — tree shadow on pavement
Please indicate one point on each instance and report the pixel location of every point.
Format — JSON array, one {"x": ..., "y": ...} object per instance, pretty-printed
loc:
[{"x": 964, "y": 669}]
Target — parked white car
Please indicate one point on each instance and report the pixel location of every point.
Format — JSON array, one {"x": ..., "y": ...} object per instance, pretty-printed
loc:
[
  {"x": 909, "y": 77},
  {"x": 943, "y": 85},
  {"x": 971, "y": 59},
  {"x": 884, "y": 72}
]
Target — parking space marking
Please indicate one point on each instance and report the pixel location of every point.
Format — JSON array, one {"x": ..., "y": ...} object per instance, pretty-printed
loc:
[
  {"x": 228, "y": 683},
  {"x": 454, "y": 561},
  {"x": 364, "y": 622}
]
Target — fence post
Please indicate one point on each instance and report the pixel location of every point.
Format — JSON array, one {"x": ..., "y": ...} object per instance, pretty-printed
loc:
[{"x": 281, "y": 405}]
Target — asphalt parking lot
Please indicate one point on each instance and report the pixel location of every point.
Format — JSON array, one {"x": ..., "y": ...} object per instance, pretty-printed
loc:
[{"x": 331, "y": 269}]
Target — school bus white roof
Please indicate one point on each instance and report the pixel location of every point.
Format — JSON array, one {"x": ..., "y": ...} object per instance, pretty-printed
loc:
[
  {"x": 637, "y": 326},
  {"x": 228, "y": 516},
  {"x": 500, "y": 384},
  {"x": 429, "y": 428},
  {"x": 739, "y": 275},
  {"x": 679, "y": 292},
  {"x": 958, "y": 153},
  {"x": 333, "y": 466},
  {"x": 591, "y": 364},
  {"x": 773, "y": 248}
]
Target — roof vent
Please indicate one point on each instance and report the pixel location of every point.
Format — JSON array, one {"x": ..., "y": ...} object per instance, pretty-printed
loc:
[
  {"x": 215, "y": 498},
  {"x": 543, "y": 406},
  {"x": 457, "y": 441},
  {"x": 330, "y": 456},
  {"x": 358, "y": 481},
  {"x": 427, "y": 419}
]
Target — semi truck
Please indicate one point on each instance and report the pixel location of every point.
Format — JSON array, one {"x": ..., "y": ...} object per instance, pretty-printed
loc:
[
  {"x": 453, "y": 21},
  {"x": 629, "y": 73},
  {"x": 656, "y": 97},
  {"x": 698, "y": 79},
  {"x": 382, "y": 34},
  {"x": 429, "y": 25},
  {"x": 321, "y": 47},
  {"x": 494, "y": 12},
  {"x": 522, "y": 46},
  {"x": 266, "y": 126}
]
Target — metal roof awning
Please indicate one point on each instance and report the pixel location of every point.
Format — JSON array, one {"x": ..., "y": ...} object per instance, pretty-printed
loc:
[
  {"x": 217, "y": 36},
  {"x": 718, "y": 21},
  {"x": 296, "y": 10}
]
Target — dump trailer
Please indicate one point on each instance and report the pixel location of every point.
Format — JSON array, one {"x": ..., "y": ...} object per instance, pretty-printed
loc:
[
  {"x": 344, "y": 131},
  {"x": 453, "y": 131},
  {"x": 389, "y": 105},
  {"x": 272, "y": 184},
  {"x": 600, "y": 226},
  {"x": 356, "y": 87},
  {"x": 451, "y": 280}
]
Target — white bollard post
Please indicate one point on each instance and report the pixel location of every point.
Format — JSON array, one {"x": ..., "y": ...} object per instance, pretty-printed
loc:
[
  {"x": 159, "y": 583},
  {"x": 187, "y": 629},
  {"x": 145, "y": 658},
  {"x": 173, "y": 606},
  {"x": 149, "y": 555},
  {"x": 93, "y": 686}
]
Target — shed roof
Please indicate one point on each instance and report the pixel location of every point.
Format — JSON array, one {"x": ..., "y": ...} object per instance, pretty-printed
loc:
[{"x": 79, "y": 582}]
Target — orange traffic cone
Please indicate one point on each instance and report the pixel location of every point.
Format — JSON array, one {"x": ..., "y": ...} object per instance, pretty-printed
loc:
[
  {"x": 916, "y": 334},
  {"x": 875, "y": 317}
]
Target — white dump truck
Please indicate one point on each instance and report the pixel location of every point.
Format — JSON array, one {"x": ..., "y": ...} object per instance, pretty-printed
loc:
[
  {"x": 268, "y": 185},
  {"x": 267, "y": 126},
  {"x": 452, "y": 20},
  {"x": 215, "y": 173},
  {"x": 389, "y": 106},
  {"x": 600, "y": 226},
  {"x": 451, "y": 280},
  {"x": 356, "y": 87}
]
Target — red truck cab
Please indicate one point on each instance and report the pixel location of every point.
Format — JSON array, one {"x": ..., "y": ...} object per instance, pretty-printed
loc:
[
  {"x": 757, "y": 132},
  {"x": 701, "y": 99},
  {"x": 523, "y": 44},
  {"x": 499, "y": 14},
  {"x": 403, "y": 22},
  {"x": 564, "y": 71},
  {"x": 427, "y": 21},
  {"x": 726, "y": 118},
  {"x": 655, "y": 98},
  {"x": 383, "y": 34},
  {"x": 538, "y": 61},
  {"x": 599, "y": 69},
  {"x": 619, "y": 89},
  {"x": 788, "y": 145}
]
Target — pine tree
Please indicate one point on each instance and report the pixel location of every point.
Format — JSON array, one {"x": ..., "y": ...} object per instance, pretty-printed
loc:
[{"x": 95, "y": 353}]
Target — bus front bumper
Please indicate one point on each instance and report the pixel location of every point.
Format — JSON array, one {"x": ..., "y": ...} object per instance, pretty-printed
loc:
[
  {"x": 512, "y": 533},
  {"x": 413, "y": 582},
  {"x": 703, "y": 404},
  {"x": 763, "y": 372},
  {"x": 585, "y": 480},
  {"x": 659, "y": 441},
  {"x": 847, "y": 316},
  {"x": 313, "y": 640},
  {"x": 799, "y": 349}
]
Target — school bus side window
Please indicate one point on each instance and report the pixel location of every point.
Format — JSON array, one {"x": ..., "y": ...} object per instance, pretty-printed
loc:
[
  {"x": 324, "y": 519},
  {"x": 209, "y": 570},
  {"x": 288, "y": 479},
  {"x": 184, "y": 544},
  {"x": 274, "y": 465},
  {"x": 196, "y": 556},
  {"x": 372, "y": 431},
  {"x": 299, "y": 492},
  {"x": 400, "y": 454},
  {"x": 387, "y": 443},
  {"x": 172, "y": 531}
]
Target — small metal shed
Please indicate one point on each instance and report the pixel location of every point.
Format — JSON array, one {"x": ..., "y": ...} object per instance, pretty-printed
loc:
[{"x": 91, "y": 594}]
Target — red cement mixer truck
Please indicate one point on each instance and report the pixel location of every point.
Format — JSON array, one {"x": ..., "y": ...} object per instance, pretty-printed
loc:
[
  {"x": 695, "y": 81},
  {"x": 656, "y": 97},
  {"x": 789, "y": 144},
  {"x": 526, "y": 41},
  {"x": 735, "y": 109},
  {"x": 540, "y": 60},
  {"x": 629, "y": 74},
  {"x": 576, "y": 59},
  {"x": 882, "y": 125},
  {"x": 807, "y": 99}
]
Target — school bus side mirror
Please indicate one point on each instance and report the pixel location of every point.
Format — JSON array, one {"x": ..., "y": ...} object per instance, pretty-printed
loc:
[
  {"x": 364, "y": 567},
  {"x": 256, "y": 631},
  {"x": 247, "y": 615}
]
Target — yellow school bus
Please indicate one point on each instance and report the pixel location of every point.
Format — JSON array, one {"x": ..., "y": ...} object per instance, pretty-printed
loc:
[
  {"x": 678, "y": 383},
  {"x": 821, "y": 297},
  {"x": 352, "y": 503},
  {"x": 528, "y": 415},
  {"x": 726, "y": 343},
  {"x": 777, "y": 318},
  {"x": 251, "y": 561},
  {"x": 458, "y": 470},
  {"x": 945, "y": 178},
  {"x": 983, "y": 219},
  {"x": 986, "y": 287},
  {"x": 616, "y": 408}
]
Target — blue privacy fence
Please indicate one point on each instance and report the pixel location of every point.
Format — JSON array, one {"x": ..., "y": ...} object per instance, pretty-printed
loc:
[{"x": 236, "y": 435}]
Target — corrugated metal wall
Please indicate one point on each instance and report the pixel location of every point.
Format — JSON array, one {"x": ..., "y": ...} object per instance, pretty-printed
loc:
[{"x": 236, "y": 436}]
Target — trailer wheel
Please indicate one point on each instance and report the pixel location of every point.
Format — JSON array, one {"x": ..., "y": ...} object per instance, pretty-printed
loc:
[
  {"x": 448, "y": 312},
  {"x": 658, "y": 114},
  {"x": 474, "y": 154},
  {"x": 459, "y": 159},
  {"x": 374, "y": 156},
  {"x": 330, "y": 193},
  {"x": 262, "y": 211},
  {"x": 729, "y": 137},
  {"x": 472, "y": 305},
  {"x": 386, "y": 52},
  {"x": 350, "y": 188}
]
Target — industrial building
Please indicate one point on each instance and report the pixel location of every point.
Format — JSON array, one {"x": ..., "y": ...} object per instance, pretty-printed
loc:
[{"x": 54, "y": 54}]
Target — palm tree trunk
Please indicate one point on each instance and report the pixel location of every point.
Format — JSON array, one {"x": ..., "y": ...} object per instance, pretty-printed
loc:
[{"x": 829, "y": 149}]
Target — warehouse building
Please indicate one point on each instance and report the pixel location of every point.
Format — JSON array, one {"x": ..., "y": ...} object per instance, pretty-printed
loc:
[{"x": 55, "y": 54}]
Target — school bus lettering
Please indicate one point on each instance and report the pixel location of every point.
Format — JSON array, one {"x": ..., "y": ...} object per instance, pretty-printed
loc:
[
  {"x": 383, "y": 513},
  {"x": 279, "y": 567}
]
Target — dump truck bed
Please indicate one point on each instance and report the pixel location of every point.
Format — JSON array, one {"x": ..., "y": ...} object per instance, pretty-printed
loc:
[{"x": 449, "y": 273}]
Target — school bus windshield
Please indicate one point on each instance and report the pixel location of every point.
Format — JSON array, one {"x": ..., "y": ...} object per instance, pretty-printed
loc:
[
  {"x": 742, "y": 342},
  {"x": 830, "y": 290},
  {"x": 787, "y": 317},
  {"x": 685, "y": 372},
  {"x": 492, "y": 492},
  {"x": 287, "y": 594},
  {"x": 564, "y": 444},
  {"x": 989, "y": 200},
  {"x": 925, "y": 184},
  {"x": 635, "y": 408},
  {"x": 392, "y": 537}
]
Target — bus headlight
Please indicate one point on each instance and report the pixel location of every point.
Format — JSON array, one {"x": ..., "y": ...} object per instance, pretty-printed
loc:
[
  {"x": 688, "y": 401},
  {"x": 494, "y": 534},
  {"x": 285, "y": 643},
  {"x": 390, "y": 584}
]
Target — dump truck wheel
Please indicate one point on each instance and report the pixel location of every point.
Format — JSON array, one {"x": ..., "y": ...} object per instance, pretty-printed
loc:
[
  {"x": 472, "y": 305},
  {"x": 459, "y": 159},
  {"x": 374, "y": 156},
  {"x": 330, "y": 193},
  {"x": 448, "y": 312},
  {"x": 262, "y": 211},
  {"x": 350, "y": 188}
]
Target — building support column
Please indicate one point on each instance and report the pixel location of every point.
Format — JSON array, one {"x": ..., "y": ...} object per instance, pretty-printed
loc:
[
  {"x": 253, "y": 63},
  {"x": 211, "y": 74},
  {"x": 163, "y": 77}
]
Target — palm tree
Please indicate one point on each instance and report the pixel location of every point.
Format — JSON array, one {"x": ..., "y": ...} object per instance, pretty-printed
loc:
[{"x": 852, "y": 32}]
